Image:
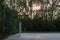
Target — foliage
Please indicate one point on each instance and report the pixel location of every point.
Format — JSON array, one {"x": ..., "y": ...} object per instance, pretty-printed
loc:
[
  {"x": 8, "y": 21},
  {"x": 37, "y": 25}
]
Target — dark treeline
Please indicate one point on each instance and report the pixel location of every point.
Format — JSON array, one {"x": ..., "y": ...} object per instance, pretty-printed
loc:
[{"x": 38, "y": 25}]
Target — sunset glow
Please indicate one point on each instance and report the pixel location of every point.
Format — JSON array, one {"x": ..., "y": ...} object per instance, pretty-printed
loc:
[{"x": 36, "y": 7}]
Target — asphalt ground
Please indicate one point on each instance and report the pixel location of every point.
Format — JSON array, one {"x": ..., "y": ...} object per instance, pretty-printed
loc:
[{"x": 34, "y": 36}]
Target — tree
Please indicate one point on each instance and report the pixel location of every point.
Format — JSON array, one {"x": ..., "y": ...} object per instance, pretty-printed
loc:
[
  {"x": 42, "y": 12},
  {"x": 8, "y": 21}
]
